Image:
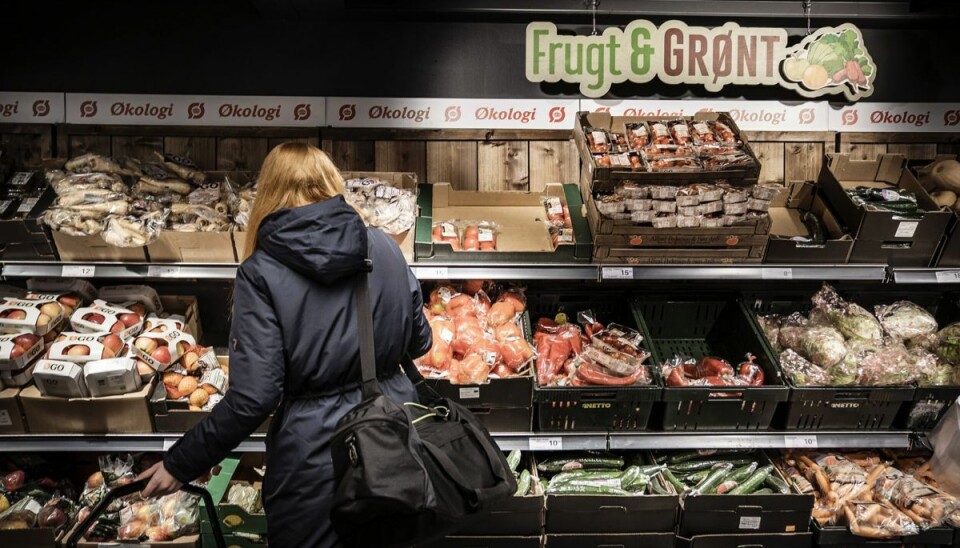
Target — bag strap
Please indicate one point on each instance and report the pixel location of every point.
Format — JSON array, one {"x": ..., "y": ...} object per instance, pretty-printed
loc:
[
  {"x": 368, "y": 356},
  {"x": 426, "y": 392}
]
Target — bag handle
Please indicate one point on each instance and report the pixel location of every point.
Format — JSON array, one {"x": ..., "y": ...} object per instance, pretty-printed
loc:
[
  {"x": 426, "y": 392},
  {"x": 138, "y": 486},
  {"x": 368, "y": 356}
]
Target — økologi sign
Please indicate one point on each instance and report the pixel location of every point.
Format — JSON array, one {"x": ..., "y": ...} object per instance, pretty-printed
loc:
[{"x": 831, "y": 61}]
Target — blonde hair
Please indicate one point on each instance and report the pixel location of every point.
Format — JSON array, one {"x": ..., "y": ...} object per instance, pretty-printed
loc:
[{"x": 293, "y": 175}]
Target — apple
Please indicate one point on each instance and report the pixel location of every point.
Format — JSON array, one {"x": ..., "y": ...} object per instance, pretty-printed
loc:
[
  {"x": 51, "y": 309},
  {"x": 145, "y": 344},
  {"x": 113, "y": 342},
  {"x": 69, "y": 301},
  {"x": 43, "y": 320},
  {"x": 93, "y": 317},
  {"x": 116, "y": 327},
  {"x": 144, "y": 369},
  {"x": 27, "y": 340},
  {"x": 15, "y": 314},
  {"x": 190, "y": 360},
  {"x": 78, "y": 350},
  {"x": 162, "y": 355},
  {"x": 17, "y": 351},
  {"x": 129, "y": 320},
  {"x": 138, "y": 309}
]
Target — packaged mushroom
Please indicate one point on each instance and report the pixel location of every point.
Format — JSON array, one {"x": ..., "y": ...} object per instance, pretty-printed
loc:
[
  {"x": 162, "y": 350},
  {"x": 631, "y": 190},
  {"x": 19, "y": 349},
  {"x": 638, "y": 204},
  {"x": 39, "y": 316},
  {"x": 102, "y": 316},
  {"x": 85, "y": 347},
  {"x": 608, "y": 204}
]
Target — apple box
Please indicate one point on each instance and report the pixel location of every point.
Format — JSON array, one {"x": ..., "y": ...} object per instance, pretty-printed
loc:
[
  {"x": 60, "y": 379},
  {"x": 19, "y": 349}
]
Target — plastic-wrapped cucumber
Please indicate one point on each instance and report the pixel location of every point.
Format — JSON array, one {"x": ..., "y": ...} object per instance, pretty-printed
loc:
[
  {"x": 687, "y": 456},
  {"x": 632, "y": 475},
  {"x": 513, "y": 459},
  {"x": 656, "y": 488},
  {"x": 580, "y": 463},
  {"x": 754, "y": 482},
  {"x": 523, "y": 484},
  {"x": 585, "y": 489},
  {"x": 696, "y": 466},
  {"x": 678, "y": 486},
  {"x": 574, "y": 475},
  {"x": 744, "y": 472},
  {"x": 715, "y": 478},
  {"x": 777, "y": 484}
]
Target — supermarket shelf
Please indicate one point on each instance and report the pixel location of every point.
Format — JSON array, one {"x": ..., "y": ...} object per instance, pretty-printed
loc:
[
  {"x": 119, "y": 270},
  {"x": 761, "y": 440},
  {"x": 506, "y": 272},
  {"x": 745, "y": 272},
  {"x": 926, "y": 275},
  {"x": 507, "y": 441}
]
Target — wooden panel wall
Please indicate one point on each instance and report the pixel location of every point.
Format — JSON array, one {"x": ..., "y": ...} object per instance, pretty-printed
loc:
[
  {"x": 790, "y": 155},
  {"x": 222, "y": 148},
  {"x": 915, "y": 146},
  {"x": 28, "y": 144}
]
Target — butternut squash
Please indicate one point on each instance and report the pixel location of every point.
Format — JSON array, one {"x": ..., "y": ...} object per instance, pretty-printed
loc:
[{"x": 943, "y": 174}]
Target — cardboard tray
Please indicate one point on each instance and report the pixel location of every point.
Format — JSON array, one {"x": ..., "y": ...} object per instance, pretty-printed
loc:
[
  {"x": 909, "y": 254},
  {"x": 186, "y": 306},
  {"x": 175, "y": 416},
  {"x": 599, "y": 514},
  {"x": 512, "y": 517},
  {"x": 483, "y": 541},
  {"x": 523, "y": 237},
  {"x": 769, "y": 540},
  {"x": 233, "y": 518},
  {"x": 786, "y": 217},
  {"x": 192, "y": 247},
  {"x": 93, "y": 248},
  {"x": 611, "y": 540},
  {"x": 605, "y": 178},
  {"x": 11, "y": 414},
  {"x": 127, "y": 413}
]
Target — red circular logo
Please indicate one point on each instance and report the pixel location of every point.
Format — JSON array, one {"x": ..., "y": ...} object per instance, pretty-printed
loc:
[
  {"x": 951, "y": 118},
  {"x": 452, "y": 114},
  {"x": 557, "y": 115},
  {"x": 848, "y": 117},
  {"x": 88, "y": 109},
  {"x": 41, "y": 108},
  {"x": 808, "y": 116},
  {"x": 733, "y": 240},
  {"x": 348, "y": 112},
  {"x": 636, "y": 240}
]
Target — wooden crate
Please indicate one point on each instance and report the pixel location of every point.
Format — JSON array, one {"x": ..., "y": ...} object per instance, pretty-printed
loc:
[
  {"x": 29, "y": 144},
  {"x": 789, "y": 156},
  {"x": 211, "y": 148},
  {"x": 913, "y": 146},
  {"x": 485, "y": 160}
]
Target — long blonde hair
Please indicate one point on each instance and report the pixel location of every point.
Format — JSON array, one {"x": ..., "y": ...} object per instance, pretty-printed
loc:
[{"x": 293, "y": 175}]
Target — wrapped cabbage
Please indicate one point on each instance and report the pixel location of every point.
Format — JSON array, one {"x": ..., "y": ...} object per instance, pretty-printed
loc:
[
  {"x": 948, "y": 343},
  {"x": 927, "y": 341},
  {"x": 770, "y": 324},
  {"x": 882, "y": 362},
  {"x": 851, "y": 319},
  {"x": 904, "y": 320},
  {"x": 821, "y": 345},
  {"x": 801, "y": 371},
  {"x": 845, "y": 371}
]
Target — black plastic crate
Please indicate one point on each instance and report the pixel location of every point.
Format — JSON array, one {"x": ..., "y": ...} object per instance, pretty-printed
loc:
[
  {"x": 701, "y": 326},
  {"x": 841, "y": 537},
  {"x": 581, "y": 408},
  {"x": 876, "y": 407}
]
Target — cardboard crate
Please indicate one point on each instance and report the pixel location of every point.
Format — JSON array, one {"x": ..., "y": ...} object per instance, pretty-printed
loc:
[
  {"x": 11, "y": 415},
  {"x": 786, "y": 216},
  {"x": 769, "y": 540},
  {"x": 604, "y": 179},
  {"x": 502, "y": 405},
  {"x": 233, "y": 518},
  {"x": 612, "y": 540},
  {"x": 949, "y": 253},
  {"x": 512, "y": 517},
  {"x": 523, "y": 237},
  {"x": 841, "y": 537},
  {"x": 883, "y": 236},
  {"x": 484, "y": 541},
  {"x": 192, "y": 247},
  {"x": 186, "y": 306},
  {"x": 126, "y": 414},
  {"x": 93, "y": 248}
]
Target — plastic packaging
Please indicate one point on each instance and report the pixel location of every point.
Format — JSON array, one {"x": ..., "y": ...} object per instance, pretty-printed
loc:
[
  {"x": 676, "y": 163},
  {"x": 732, "y": 209},
  {"x": 631, "y": 190},
  {"x": 878, "y": 520},
  {"x": 684, "y": 221},
  {"x": 904, "y": 320},
  {"x": 638, "y": 204},
  {"x": 680, "y": 133},
  {"x": 663, "y": 192},
  {"x": 391, "y": 209},
  {"x": 638, "y": 136},
  {"x": 801, "y": 371},
  {"x": 926, "y": 506},
  {"x": 446, "y": 232},
  {"x": 129, "y": 231},
  {"x": 643, "y": 217},
  {"x": 705, "y": 208},
  {"x": 851, "y": 319},
  {"x": 665, "y": 221},
  {"x": 664, "y": 206},
  {"x": 822, "y": 345},
  {"x": 607, "y": 204}
]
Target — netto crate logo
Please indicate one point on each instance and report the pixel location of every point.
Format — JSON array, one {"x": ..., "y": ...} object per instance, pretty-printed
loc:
[
  {"x": 845, "y": 405},
  {"x": 88, "y": 109},
  {"x": 849, "y": 117},
  {"x": 596, "y": 406},
  {"x": 348, "y": 112},
  {"x": 951, "y": 118},
  {"x": 301, "y": 112},
  {"x": 196, "y": 111},
  {"x": 41, "y": 108}
]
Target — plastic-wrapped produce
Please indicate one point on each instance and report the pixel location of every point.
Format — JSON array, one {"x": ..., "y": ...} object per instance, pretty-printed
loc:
[
  {"x": 881, "y": 362},
  {"x": 801, "y": 371},
  {"x": 822, "y": 345},
  {"x": 926, "y": 506},
  {"x": 134, "y": 231},
  {"x": 845, "y": 372},
  {"x": 245, "y": 496},
  {"x": 388, "y": 208},
  {"x": 927, "y": 341},
  {"x": 770, "y": 324},
  {"x": 851, "y": 319},
  {"x": 948, "y": 343},
  {"x": 878, "y": 520},
  {"x": 905, "y": 320}
]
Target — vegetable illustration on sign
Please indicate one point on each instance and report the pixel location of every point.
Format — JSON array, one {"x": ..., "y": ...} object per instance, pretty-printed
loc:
[{"x": 832, "y": 61}]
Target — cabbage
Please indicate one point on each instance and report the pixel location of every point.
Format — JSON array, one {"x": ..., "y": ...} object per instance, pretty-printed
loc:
[{"x": 825, "y": 55}]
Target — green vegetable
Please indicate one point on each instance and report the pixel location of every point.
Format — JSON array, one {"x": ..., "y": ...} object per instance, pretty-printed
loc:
[
  {"x": 584, "y": 463},
  {"x": 725, "y": 487},
  {"x": 577, "y": 489},
  {"x": 668, "y": 475},
  {"x": 657, "y": 488},
  {"x": 632, "y": 475},
  {"x": 652, "y": 469},
  {"x": 742, "y": 473},
  {"x": 523, "y": 484},
  {"x": 821, "y": 53},
  {"x": 713, "y": 479},
  {"x": 948, "y": 343},
  {"x": 754, "y": 481},
  {"x": 777, "y": 484},
  {"x": 687, "y": 456},
  {"x": 574, "y": 475},
  {"x": 696, "y": 477},
  {"x": 513, "y": 459},
  {"x": 764, "y": 491}
]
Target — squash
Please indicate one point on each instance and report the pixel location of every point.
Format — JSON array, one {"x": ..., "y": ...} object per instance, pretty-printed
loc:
[
  {"x": 943, "y": 174},
  {"x": 944, "y": 198}
]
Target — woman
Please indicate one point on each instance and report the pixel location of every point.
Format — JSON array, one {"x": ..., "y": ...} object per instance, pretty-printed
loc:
[{"x": 293, "y": 342}]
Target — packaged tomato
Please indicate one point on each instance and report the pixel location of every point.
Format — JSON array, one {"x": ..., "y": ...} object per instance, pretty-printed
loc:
[
  {"x": 446, "y": 232},
  {"x": 638, "y": 135},
  {"x": 480, "y": 236},
  {"x": 680, "y": 133}
]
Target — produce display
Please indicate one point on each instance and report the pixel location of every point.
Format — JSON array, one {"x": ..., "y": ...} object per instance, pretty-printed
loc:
[
  {"x": 875, "y": 496},
  {"x": 841, "y": 343},
  {"x": 594, "y": 355},
  {"x": 527, "y": 483},
  {"x": 669, "y": 146},
  {"x": 697, "y": 205},
  {"x": 600, "y": 474},
  {"x": 712, "y": 371},
  {"x": 391, "y": 209},
  {"x": 942, "y": 179},
  {"x": 467, "y": 235},
  {"x": 901, "y": 202},
  {"x": 719, "y": 472},
  {"x": 475, "y": 338},
  {"x": 558, "y": 221}
]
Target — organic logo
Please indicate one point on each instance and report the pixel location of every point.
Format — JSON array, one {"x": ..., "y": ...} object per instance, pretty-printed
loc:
[
  {"x": 951, "y": 118},
  {"x": 557, "y": 114},
  {"x": 848, "y": 117},
  {"x": 733, "y": 240},
  {"x": 808, "y": 116},
  {"x": 88, "y": 109},
  {"x": 195, "y": 110},
  {"x": 602, "y": 109},
  {"x": 301, "y": 112},
  {"x": 452, "y": 114},
  {"x": 348, "y": 112},
  {"x": 41, "y": 107}
]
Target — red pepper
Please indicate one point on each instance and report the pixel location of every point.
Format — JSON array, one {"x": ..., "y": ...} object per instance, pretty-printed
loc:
[
  {"x": 691, "y": 370},
  {"x": 543, "y": 362},
  {"x": 676, "y": 378},
  {"x": 13, "y": 480},
  {"x": 712, "y": 366},
  {"x": 751, "y": 372},
  {"x": 592, "y": 373},
  {"x": 559, "y": 352},
  {"x": 546, "y": 325}
]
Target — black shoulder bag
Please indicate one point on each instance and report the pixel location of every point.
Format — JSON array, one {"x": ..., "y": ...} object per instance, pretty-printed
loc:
[{"x": 409, "y": 473}]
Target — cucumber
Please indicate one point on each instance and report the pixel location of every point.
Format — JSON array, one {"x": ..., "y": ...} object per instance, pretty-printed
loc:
[
  {"x": 652, "y": 469},
  {"x": 764, "y": 491},
  {"x": 575, "y": 475},
  {"x": 697, "y": 477},
  {"x": 523, "y": 484},
  {"x": 725, "y": 487},
  {"x": 568, "y": 489},
  {"x": 777, "y": 484},
  {"x": 632, "y": 475},
  {"x": 713, "y": 479},
  {"x": 687, "y": 456},
  {"x": 513, "y": 460},
  {"x": 697, "y": 465},
  {"x": 752, "y": 483},
  {"x": 584, "y": 463},
  {"x": 656, "y": 488},
  {"x": 677, "y": 486},
  {"x": 744, "y": 472}
]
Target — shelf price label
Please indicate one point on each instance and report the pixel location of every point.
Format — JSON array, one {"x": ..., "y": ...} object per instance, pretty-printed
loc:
[
  {"x": 431, "y": 272},
  {"x": 948, "y": 276},
  {"x": 168, "y": 443},
  {"x": 163, "y": 271},
  {"x": 78, "y": 271},
  {"x": 616, "y": 273},
  {"x": 802, "y": 441},
  {"x": 776, "y": 273},
  {"x": 546, "y": 444}
]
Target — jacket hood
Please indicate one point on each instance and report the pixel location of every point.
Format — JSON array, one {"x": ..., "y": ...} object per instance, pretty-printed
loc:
[{"x": 325, "y": 241}]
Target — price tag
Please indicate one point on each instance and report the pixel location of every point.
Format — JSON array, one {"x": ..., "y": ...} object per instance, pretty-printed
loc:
[
  {"x": 432, "y": 272},
  {"x": 5, "y": 419},
  {"x": 776, "y": 273},
  {"x": 470, "y": 393},
  {"x": 808, "y": 441},
  {"x": 948, "y": 276},
  {"x": 27, "y": 205},
  {"x": 78, "y": 271},
  {"x": 749, "y": 522},
  {"x": 168, "y": 443},
  {"x": 906, "y": 229},
  {"x": 546, "y": 444},
  {"x": 163, "y": 271},
  {"x": 616, "y": 273}
]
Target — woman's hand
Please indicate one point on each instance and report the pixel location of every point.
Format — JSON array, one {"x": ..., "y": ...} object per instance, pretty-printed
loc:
[{"x": 161, "y": 482}]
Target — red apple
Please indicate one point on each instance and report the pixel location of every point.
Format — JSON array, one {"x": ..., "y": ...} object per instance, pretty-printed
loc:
[
  {"x": 138, "y": 309},
  {"x": 17, "y": 351},
  {"x": 78, "y": 350},
  {"x": 93, "y": 317},
  {"x": 146, "y": 344},
  {"x": 162, "y": 355},
  {"x": 15, "y": 314},
  {"x": 113, "y": 342},
  {"x": 27, "y": 340},
  {"x": 117, "y": 327},
  {"x": 129, "y": 320}
]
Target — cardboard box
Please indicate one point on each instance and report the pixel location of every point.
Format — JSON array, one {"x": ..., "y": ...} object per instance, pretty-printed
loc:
[
  {"x": 233, "y": 518},
  {"x": 841, "y": 172},
  {"x": 27, "y": 239},
  {"x": 484, "y": 542},
  {"x": 914, "y": 254},
  {"x": 605, "y": 179},
  {"x": 599, "y": 514},
  {"x": 29, "y": 538},
  {"x": 786, "y": 215},
  {"x": 842, "y": 537},
  {"x": 233, "y": 541},
  {"x": 192, "y": 247},
  {"x": 502, "y": 405},
  {"x": 11, "y": 415},
  {"x": 186, "y": 306},
  {"x": 93, "y": 248},
  {"x": 783, "y": 540},
  {"x": 614, "y": 540},
  {"x": 523, "y": 237},
  {"x": 127, "y": 413},
  {"x": 182, "y": 542},
  {"x": 175, "y": 416},
  {"x": 745, "y": 514}
]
